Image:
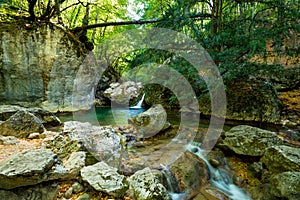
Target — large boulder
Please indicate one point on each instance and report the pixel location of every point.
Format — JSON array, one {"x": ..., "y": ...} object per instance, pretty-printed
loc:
[
  {"x": 42, "y": 191},
  {"x": 250, "y": 141},
  {"x": 6, "y": 111},
  {"x": 121, "y": 93},
  {"x": 105, "y": 179},
  {"x": 151, "y": 121},
  {"x": 282, "y": 158},
  {"x": 191, "y": 173},
  {"x": 100, "y": 141},
  {"x": 286, "y": 185},
  {"x": 47, "y": 117},
  {"x": 108, "y": 77},
  {"x": 248, "y": 99},
  {"x": 30, "y": 168},
  {"x": 21, "y": 125},
  {"x": 146, "y": 185}
]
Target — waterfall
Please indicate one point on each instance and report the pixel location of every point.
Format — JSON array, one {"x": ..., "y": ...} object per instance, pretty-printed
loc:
[
  {"x": 173, "y": 186},
  {"x": 220, "y": 179},
  {"x": 139, "y": 104}
]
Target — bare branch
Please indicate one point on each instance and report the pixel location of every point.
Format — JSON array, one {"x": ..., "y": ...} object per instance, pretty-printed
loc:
[{"x": 136, "y": 22}]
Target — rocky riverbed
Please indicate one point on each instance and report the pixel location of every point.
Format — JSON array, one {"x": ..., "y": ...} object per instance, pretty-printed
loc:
[{"x": 82, "y": 161}]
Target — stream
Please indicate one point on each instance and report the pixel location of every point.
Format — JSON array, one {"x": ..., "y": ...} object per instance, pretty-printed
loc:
[{"x": 219, "y": 178}]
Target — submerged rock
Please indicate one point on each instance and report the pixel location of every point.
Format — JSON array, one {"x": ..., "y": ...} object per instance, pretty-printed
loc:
[
  {"x": 105, "y": 179},
  {"x": 282, "y": 158},
  {"x": 146, "y": 185},
  {"x": 286, "y": 185},
  {"x": 30, "y": 168},
  {"x": 250, "y": 141},
  {"x": 21, "y": 125},
  {"x": 150, "y": 122}
]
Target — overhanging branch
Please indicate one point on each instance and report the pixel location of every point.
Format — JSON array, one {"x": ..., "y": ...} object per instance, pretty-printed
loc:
[{"x": 137, "y": 22}]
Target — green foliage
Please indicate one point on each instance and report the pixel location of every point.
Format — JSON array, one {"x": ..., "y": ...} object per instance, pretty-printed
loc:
[{"x": 233, "y": 32}]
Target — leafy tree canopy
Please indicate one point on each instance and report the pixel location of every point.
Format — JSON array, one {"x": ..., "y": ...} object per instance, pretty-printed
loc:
[{"x": 234, "y": 32}]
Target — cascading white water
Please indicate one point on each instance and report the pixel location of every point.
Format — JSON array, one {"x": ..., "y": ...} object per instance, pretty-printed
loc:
[
  {"x": 220, "y": 179},
  {"x": 173, "y": 186},
  {"x": 139, "y": 104}
]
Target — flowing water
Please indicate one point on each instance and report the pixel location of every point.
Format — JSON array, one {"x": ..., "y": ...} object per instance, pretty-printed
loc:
[
  {"x": 172, "y": 185},
  {"x": 139, "y": 104},
  {"x": 220, "y": 179}
]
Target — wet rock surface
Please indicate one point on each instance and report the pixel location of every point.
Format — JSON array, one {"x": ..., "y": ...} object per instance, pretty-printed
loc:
[{"x": 190, "y": 172}]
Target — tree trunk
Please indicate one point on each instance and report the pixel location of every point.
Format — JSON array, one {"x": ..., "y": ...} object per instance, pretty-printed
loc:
[{"x": 32, "y": 4}]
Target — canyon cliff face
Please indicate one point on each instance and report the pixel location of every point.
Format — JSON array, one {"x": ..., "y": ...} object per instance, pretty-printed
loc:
[{"x": 39, "y": 67}]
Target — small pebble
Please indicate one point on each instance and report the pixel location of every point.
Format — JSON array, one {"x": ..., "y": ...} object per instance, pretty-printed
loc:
[
  {"x": 84, "y": 196},
  {"x": 215, "y": 163},
  {"x": 77, "y": 187},
  {"x": 68, "y": 193},
  {"x": 33, "y": 136}
]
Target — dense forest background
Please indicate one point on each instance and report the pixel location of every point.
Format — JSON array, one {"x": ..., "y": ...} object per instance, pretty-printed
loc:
[{"x": 243, "y": 36}]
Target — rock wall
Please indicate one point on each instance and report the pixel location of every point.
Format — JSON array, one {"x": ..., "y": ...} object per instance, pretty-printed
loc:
[{"x": 38, "y": 67}]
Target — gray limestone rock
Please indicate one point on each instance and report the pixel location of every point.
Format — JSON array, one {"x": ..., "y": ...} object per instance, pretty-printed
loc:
[
  {"x": 122, "y": 93},
  {"x": 21, "y": 125},
  {"x": 286, "y": 185},
  {"x": 75, "y": 163},
  {"x": 6, "y": 111},
  {"x": 42, "y": 191},
  {"x": 190, "y": 172},
  {"x": 105, "y": 179},
  {"x": 8, "y": 195},
  {"x": 282, "y": 158},
  {"x": 100, "y": 141},
  {"x": 8, "y": 140},
  {"x": 39, "y": 67},
  {"x": 250, "y": 141},
  {"x": 146, "y": 185},
  {"x": 30, "y": 168},
  {"x": 47, "y": 117},
  {"x": 151, "y": 121}
]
